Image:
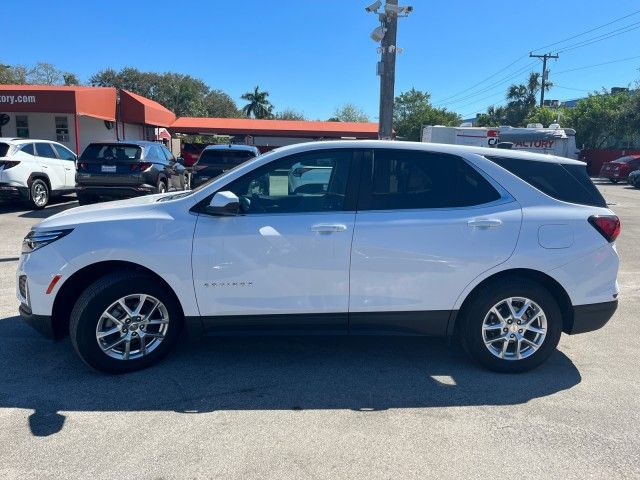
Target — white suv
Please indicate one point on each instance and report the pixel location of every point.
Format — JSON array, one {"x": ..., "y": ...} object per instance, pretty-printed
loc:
[
  {"x": 35, "y": 170},
  {"x": 503, "y": 249}
]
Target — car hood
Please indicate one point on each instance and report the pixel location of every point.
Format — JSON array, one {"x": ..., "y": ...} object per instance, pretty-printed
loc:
[{"x": 144, "y": 207}]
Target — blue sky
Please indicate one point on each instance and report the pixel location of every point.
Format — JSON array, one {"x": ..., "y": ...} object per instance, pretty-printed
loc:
[{"x": 313, "y": 56}]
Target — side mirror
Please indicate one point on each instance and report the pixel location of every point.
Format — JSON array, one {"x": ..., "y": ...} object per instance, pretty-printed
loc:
[
  {"x": 224, "y": 203},
  {"x": 180, "y": 160}
]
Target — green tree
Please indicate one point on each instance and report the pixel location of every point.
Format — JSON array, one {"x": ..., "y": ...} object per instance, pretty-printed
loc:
[
  {"x": 521, "y": 102},
  {"x": 182, "y": 94},
  {"x": 289, "y": 114},
  {"x": 70, "y": 79},
  {"x": 13, "y": 75},
  {"x": 259, "y": 106},
  {"x": 544, "y": 115},
  {"x": 44, "y": 73},
  {"x": 603, "y": 120},
  {"x": 218, "y": 104},
  {"x": 413, "y": 109},
  {"x": 349, "y": 113}
]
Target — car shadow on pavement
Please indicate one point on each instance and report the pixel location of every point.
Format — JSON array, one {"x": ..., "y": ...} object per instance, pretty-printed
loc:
[
  {"x": 56, "y": 205},
  {"x": 263, "y": 373}
]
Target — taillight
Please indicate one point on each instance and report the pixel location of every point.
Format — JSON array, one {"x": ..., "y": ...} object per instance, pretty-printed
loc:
[
  {"x": 142, "y": 166},
  {"x": 607, "y": 225},
  {"x": 9, "y": 164}
]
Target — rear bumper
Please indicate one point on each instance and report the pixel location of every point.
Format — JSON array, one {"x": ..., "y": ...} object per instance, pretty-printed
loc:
[
  {"x": 613, "y": 175},
  {"x": 587, "y": 318},
  {"x": 41, "y": 323},
  {"x": 114, "y": 193},
  {"x": 11, "y": 192}
]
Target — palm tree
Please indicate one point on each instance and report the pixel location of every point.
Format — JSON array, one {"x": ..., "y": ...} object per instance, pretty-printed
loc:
[{"x": 258, "y": 106}]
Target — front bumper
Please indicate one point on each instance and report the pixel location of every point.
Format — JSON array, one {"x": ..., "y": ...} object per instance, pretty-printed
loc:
[
  {"x": 587, "y": 318},
  {"x": 10, "y": 192}
]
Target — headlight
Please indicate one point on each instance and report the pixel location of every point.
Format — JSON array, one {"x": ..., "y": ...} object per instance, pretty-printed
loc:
[{"x": 35, "y": 240}]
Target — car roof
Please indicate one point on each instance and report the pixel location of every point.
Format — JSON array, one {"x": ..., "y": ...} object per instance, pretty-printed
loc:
[
  {"x": 428, "y": 147},
  {"x": 231, "y": 146},
  {"x": 20, "y": 141},
  {"x": 140, "y": 143}
]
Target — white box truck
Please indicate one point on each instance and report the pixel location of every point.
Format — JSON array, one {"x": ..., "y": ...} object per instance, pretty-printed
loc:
[{"x": 534, "y": 138}]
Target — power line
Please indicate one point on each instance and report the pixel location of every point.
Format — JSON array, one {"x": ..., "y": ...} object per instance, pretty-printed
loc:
[
  {"x": 597, "y": 65},
  {"x": 583, "y": 43},
  {"x": 555, "y": 85},
  {"x": 545, "y": 47},
  {"x": 492, "y": 86},
  {"x": 482, "y": 81},
  {"x": 600, "y": 38}
]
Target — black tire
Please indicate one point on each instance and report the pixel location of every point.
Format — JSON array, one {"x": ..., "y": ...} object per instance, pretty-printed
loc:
[
  {"x": 39, "y": 194},
  {"x": 162, "y": 186},
  {"x": 98, "y": 297},
  {"x": 613, "y": 180},
  {"x": 479, "y": 305}
]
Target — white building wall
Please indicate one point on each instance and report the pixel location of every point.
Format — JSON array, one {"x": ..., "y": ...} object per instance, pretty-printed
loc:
[{"x": 42, "y": 126}]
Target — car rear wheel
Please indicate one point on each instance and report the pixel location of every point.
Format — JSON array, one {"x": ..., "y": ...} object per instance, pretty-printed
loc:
[
  {"x": 162, "y": 186},
  {"x": 511, "y": 326},
  {"x": 39, "y": 193},
  {"x": 125, "y": 321}
]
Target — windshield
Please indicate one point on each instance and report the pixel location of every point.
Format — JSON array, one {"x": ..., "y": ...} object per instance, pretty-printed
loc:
[
  {"x": 111, "y": 152},
  {"x": 4, "y": 149},
  {"x": 224, "y": 157}
]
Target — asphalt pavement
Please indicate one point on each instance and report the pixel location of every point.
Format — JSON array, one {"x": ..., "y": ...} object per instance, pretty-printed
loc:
[{"x": 322, "y": 407}]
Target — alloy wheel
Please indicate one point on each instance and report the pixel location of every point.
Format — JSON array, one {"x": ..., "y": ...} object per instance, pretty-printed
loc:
[
  {"x": 514, "y": 328},
  {"x": 132, "y": 327},
  {"x": 40, "y": 194}
]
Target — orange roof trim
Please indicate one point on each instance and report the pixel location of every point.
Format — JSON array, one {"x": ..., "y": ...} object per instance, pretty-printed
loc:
[
  {"x": 97, "y": 102},
  {"x": 135, "y": 108},
  {"x": 293, "y": 128}
]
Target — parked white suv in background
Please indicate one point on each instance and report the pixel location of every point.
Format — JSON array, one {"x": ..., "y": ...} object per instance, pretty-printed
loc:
[
  {"x": 35, "y": 170},
  {"x": 503, "y": 249}
]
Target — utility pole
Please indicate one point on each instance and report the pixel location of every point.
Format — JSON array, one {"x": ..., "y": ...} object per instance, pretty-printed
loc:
[
  {"x": 387, "y": 69},
  {"x": 544, "y": 72}
]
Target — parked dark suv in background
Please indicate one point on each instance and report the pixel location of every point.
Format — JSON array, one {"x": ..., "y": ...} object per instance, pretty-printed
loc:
[
  {"x": 111, "y": 171},
  {"x": 216, "y": 159}
]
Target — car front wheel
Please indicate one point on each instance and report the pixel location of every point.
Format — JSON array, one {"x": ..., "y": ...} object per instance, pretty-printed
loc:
[
  {"x": 125, "y": 321},
  {"x": 511, "y": 326}
]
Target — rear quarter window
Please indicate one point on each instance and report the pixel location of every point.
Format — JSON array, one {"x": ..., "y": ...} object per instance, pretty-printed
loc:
[
  {"x": 565, "y": 182},
  {"x": 4, "y": 149}
]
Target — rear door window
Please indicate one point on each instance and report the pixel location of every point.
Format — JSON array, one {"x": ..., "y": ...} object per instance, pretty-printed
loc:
[
  {"x": 45, "y": 150},
  {"x": 408, "y": 179},
  {"x": 566, "y": 182}
]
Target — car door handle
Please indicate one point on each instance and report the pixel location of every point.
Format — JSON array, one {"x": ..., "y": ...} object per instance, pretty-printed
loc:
[
  {"x": 328, "y": 227},
  {"x": 484, "y": 223}
]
